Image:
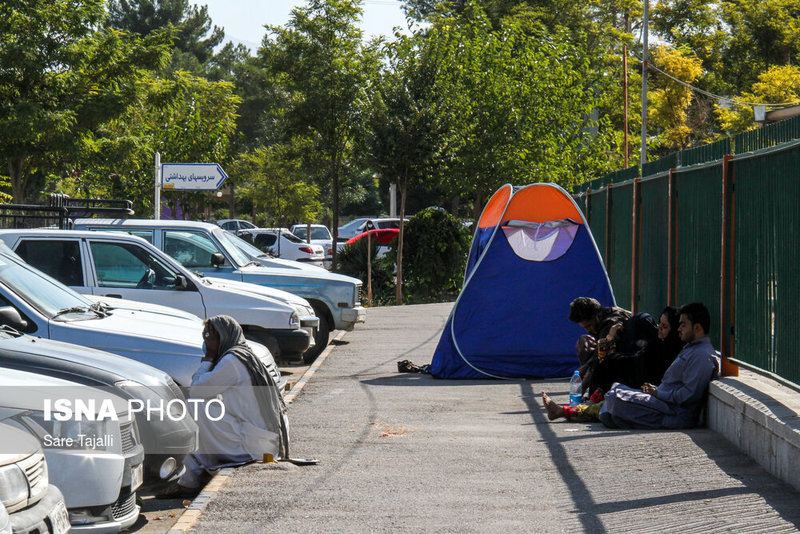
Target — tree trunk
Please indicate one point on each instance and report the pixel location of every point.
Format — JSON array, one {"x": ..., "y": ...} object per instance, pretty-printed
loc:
[
  {"x": 16, "y": 173},
  {"x": 398, "y": 296},
  {"x": 335, "y": 222}
]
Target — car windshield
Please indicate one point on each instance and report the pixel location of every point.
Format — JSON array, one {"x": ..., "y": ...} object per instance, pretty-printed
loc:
[
  {"x": 47, "y": 295},
  {"x": 355, "y": 223},
  {"x": 239, "y": 249}
]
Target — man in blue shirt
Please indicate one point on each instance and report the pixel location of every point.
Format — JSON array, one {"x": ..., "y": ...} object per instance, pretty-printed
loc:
[{"x": 678, "y": 400}]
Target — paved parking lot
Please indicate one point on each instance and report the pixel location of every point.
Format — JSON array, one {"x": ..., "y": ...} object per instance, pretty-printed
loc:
[{"x": 405, "y": 452}]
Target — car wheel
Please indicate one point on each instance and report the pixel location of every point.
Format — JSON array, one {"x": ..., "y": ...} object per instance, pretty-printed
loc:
[{"x": 320, "y": 340}]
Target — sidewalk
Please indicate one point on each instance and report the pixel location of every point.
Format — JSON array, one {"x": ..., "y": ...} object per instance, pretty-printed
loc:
[{"x": 404, "y": 452}]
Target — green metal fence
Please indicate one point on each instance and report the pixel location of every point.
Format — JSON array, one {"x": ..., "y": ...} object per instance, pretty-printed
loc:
[
  {"x": 697, "y": 239},
  {"x": 621, "y": 244},
  {"x": 653, "y": 241},
  {"x": 766, "y": 258},
  {"x": 767, "y": 136},
  {"x": 706, "y": 225}
]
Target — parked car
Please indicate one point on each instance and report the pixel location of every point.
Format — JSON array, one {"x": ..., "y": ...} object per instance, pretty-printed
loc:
[
  {"x": 28, "y": 502},
  {"x": 95, "y": 459},
  {"x": 233, "y": 225},
  {"x": 382, "y": 237},
  {"x": 320, "y": 235},
  {"x": 116, "y": 265},
  {"x": 375, "y": 224},
  {"x": 34, "y": 303},
  {"x": 166, "y": 441},
  {"x": 214, "y": 252},
  {"x": 281, "y": 243},
  {"x": 346, "y": 231}
]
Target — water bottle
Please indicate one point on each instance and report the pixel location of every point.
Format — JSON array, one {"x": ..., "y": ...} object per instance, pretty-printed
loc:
[{"x": 575, "y": 388}]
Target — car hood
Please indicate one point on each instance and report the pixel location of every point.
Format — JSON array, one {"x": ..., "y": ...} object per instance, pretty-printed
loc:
[
  {"x": 135, "y": 305},
  {"x": 107, "y": 364},
  {"x": 25, "y": 390},
  {"x": 248, "y": 289},
  {"x": 292, "y": 265},
  {"x": 318, "y": 273},
  {"x": 16, "y": 445},
  {"x": 126, "y": 331}
]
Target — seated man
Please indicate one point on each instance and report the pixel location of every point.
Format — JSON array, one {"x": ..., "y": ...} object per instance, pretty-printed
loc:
[{"x": 677, "y": 402}]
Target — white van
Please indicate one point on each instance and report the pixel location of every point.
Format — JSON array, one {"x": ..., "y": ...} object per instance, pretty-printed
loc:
[{"x": 121, "y": 266}]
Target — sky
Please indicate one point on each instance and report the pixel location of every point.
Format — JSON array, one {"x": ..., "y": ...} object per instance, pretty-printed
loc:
[{"x": 244, "y": 20}]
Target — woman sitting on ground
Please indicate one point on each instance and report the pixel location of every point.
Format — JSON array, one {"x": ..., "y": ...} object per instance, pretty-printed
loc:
[
  {"x": 253, "y": 422},
  {"x": 654, "y": 360}
]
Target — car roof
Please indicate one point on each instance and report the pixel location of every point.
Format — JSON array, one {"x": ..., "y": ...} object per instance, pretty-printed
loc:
[
  {"x": 68, "y": 233},
  {"x": 146, "y": 223}
]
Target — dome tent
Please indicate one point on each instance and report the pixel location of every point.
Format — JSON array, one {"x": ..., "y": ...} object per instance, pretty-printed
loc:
[{"x": 531, "y": 255}]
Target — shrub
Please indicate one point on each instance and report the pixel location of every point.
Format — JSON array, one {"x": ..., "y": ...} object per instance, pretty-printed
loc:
[
  {"x": 352, "y": 261},
  {"x": 435, "y": 251}
]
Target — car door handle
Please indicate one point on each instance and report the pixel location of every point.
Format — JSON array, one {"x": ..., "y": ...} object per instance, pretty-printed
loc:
[{"x": 113, "y": 295}]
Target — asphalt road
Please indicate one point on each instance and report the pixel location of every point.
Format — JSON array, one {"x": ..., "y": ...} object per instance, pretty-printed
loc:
[{"x": 406, "y": 452}]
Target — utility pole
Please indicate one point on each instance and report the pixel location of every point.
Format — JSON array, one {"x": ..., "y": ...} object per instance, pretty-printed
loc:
[
  {"x": 625, "y": 87},
  {"x": 644, "y": 80}
]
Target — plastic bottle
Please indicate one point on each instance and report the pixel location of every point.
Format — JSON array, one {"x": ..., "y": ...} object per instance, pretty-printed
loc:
[{"x": 575, "y": 388}]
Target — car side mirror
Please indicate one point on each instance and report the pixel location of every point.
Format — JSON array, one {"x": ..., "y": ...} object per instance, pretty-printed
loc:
[
  {"x": 11, "y": 317},
  {"x": 217, "y": 259},
  {"x": 181, "y": 282}
]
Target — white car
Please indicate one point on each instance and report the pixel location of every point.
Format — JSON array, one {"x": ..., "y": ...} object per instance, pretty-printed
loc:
[
  {"x": 320, "y": 235},
  {"x": 25, "y": 492},
  {"x": 95, "y": 459},
  {"x": 351, "y": 229},
  {"x": 282, "y": 243},
  {"x": 121, "y": 266},
  {"x": 233, "y": 225},
  {"x": 34, "y": 303},
  {"x": 212, "y": 251}
]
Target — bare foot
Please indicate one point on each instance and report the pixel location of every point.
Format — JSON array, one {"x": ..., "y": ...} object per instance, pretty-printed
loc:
[{"x": 554, "y": 411}]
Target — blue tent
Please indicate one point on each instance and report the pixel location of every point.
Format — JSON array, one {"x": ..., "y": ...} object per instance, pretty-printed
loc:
[{"x": 532, "y": 254}]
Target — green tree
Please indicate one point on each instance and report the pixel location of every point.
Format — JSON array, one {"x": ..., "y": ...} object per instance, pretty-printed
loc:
[
  {"x": 186, "y": 118},
  {"x": 778, "y": 85},
  {"x": 403, "y": 134},
  {"x": 323, "y": 67},
  {"x": 516, "y": 105},
  {"x": 62, "y": 75},
  {"x": 194, "y": 37},
  {"x": 273, "y": 179},
  {"x": 669, "y": 102}
]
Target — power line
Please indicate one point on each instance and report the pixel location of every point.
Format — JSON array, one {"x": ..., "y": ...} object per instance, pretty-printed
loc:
[{"x": 733, "y": 99}]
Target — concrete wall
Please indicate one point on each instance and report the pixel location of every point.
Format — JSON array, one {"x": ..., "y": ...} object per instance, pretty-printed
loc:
[{"x": 762, "y": 418}]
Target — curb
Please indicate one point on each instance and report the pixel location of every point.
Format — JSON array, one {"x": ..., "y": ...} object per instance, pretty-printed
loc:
[{"x": 192, "y": 513}]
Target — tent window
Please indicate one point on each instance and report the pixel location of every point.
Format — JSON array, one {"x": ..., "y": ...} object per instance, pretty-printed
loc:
[{"x": 540, "y": 241}]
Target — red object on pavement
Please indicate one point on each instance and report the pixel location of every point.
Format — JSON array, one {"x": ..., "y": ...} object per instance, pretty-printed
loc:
[{"x": 383, "y": 235}]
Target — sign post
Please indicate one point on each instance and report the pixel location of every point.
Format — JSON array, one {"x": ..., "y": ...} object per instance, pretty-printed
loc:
[{"x": 157, "y": 202}]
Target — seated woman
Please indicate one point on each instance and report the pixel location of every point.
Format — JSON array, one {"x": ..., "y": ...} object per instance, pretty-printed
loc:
[
  {"x": 650, "y": 363},
  {"x": 245, "y": 431}
]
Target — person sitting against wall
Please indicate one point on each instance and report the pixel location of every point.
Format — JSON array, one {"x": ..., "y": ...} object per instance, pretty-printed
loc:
[
  {"x": 678, "y": 400},
  {"x": 613, "y": 336},
  {"x": 246, "y": 430},
  {"x": 647, "y": 365}
]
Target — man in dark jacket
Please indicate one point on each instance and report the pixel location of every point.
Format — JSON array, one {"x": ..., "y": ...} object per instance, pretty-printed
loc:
[{"x": 598, "y": 322}]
